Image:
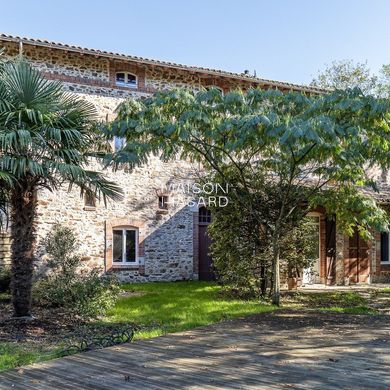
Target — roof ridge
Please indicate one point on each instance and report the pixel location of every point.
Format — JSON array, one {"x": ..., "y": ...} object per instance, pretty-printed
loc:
[{"x": 242, "y": 76}]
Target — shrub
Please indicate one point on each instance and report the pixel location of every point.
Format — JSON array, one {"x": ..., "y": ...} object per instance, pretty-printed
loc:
[
  {"x": 242, "y": 232},
  {"x": 5, "y": 279},
  {"x": 85, "y": 294}
]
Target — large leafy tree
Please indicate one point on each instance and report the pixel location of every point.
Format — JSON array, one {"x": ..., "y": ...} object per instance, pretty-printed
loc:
[
  {"x": 349, "y": 74},
  {"x": 308, "y": 150},
  {"x": 45, "y": 140},
  {"x": 383, "y": 87}
]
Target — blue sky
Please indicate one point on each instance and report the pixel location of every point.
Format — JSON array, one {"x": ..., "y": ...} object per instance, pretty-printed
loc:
[{"x": 287, "y": 40}]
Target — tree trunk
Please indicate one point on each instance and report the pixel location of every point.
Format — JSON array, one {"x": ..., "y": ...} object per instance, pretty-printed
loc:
[
  {"x": 276, "y": 271},
  {"x": 263, "y": 281},
  {"x": 23, "y": 211}
]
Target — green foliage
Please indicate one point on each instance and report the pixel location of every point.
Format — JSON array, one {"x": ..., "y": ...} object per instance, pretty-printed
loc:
[
  {"x": 240, "y": 249},
  {"x": 384, "y": 81},
  {"x": 299, "y": 247},
  {"x": 347, "y": 74},
  {"x": 354, "y": 210},
  {"x": 242, "y": 243},
  {"x": 86, "y": 294},
  {"x": 46, "y": 138},
  {"x": 305, "y": 150},
  {"x": 45, "y": 133},
  {"x": 325, "y": 143}
]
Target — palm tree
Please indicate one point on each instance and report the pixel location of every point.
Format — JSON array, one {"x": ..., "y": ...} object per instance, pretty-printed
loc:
[{"x": 45, "y": 141}]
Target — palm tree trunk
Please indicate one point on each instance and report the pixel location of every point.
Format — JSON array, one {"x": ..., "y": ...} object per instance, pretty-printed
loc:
[{"x": 23, "y": 211}]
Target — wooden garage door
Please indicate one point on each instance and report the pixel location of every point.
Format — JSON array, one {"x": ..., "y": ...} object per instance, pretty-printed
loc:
[{"x": 357, "y": 266}]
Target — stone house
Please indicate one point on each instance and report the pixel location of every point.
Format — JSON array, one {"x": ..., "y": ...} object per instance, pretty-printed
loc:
[{"x": 154, "y": 234}]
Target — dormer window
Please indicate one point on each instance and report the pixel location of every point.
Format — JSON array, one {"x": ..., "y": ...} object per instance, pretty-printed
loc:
[{"x": 126, "y": 79}]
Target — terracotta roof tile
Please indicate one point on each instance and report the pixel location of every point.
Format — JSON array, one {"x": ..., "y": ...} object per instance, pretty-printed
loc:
[{"x": 240, "y": 76}]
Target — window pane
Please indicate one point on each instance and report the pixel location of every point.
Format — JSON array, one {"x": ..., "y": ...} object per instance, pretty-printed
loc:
[
  {"x": 120, "y": 78},
  {"x": 89, "y": 200},
  {"x": 204, "y": 215},
  {"x": 163, "y": 202},
  {"x": 131, "y": 79},
  {"x": 385, "y": 247},
  {"x": 119, "y": 143},
  {"x": 117, "y": 245},
  {"x": 130, "y": 246}
]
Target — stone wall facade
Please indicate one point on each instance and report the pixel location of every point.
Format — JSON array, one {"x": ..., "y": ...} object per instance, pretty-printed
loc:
[
  {"x": 167, "y": 239},
  {"x": 165, "y": 236}
]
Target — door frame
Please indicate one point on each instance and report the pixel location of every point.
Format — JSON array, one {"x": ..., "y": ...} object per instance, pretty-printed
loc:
[
  {"x": 349, "y": 266},
  {"x": 206, "y": 220}
]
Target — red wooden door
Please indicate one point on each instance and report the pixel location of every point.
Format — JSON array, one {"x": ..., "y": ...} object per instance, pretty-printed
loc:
[
  {"x": 205, "y": 260},
  {"x": 357, "y": 266}
]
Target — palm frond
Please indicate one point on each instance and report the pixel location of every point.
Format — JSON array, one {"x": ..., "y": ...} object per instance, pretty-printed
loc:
[{"x": 47, "y": 134}]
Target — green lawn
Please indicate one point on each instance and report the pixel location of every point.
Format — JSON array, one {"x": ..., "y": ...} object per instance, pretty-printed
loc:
[
  {"x": 157, "y": 308},
  {"x": 14, "y": 355},
  {"x": 160, "y": 308},
  {"x": 337, "y": 302}
]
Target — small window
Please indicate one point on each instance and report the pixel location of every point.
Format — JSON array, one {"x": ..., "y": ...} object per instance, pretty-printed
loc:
[
  {"x": 125, "y": 244},
  {"x": 126, "y": 79},
  {"x": 385, "y": 248},
  {"x": 204, "y": 215},
  {"x": 163, "y": 202},
  {"x": 89, "y": 200},
  {"x": 119, "y": 143}
]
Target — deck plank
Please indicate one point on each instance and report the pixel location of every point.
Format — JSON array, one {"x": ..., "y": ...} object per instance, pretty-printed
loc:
[{"x": 271, "y": 351}]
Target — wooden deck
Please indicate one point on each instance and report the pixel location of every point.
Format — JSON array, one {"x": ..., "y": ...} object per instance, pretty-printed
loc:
[{"x": 273, "y": 351}]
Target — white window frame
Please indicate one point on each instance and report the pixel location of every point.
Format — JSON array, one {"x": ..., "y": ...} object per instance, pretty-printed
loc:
[
  {"x": 165, "y": 202},
  {"x": 123, "y": 230},
  {"x": 125, "y": 83},
  {"x": 388, "y": 258}
]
